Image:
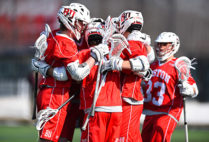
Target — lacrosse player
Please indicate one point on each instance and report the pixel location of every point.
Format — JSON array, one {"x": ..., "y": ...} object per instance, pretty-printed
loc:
[
  {"x": 163, "y": 96},
  {"x": 62, "y": 51},
  {"x": 134, "y": 65},
  {"x": 91, "y": 37},
  {"x": 105, "y": 124}
]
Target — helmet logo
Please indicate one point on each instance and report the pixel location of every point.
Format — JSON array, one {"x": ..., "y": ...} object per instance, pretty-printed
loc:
[
  {"x": 125, "y": 16},
  {"x": 69, "y": 12}
]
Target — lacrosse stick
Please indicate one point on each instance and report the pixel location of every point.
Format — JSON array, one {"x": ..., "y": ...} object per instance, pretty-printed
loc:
[
  {"x": 183, "y": 66},
  {"x": 40, "y": 46},
  {"x": 45, "y": 115}
]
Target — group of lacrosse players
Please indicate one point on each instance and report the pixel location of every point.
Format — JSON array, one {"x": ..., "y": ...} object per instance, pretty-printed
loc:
[{"x": 111, "y": 69}]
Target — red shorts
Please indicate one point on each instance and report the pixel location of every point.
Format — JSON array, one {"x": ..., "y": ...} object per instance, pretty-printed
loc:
[
  {"x": 73, "y": 114},
  {"x": 53, "y": 98},
  {"x": 103, "y": 127},
  {"x": 158, "y": 128},
  {"x": 130, "y": 128}
]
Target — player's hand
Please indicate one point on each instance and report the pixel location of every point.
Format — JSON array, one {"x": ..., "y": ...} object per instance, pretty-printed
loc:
[
  {"x": 98, "y": 52},
  {"x": 39, "y": 66},
  {"x": 145, "y": 75},
  {"x": 112, "y": 64},
  {"x": 186, "y": 89}
]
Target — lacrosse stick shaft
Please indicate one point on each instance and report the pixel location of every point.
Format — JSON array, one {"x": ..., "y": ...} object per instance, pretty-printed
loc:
[
  {"x": 34, "y": 96},
  {"x": 96, "y": 93},
  {"x": 86, "y": 122},
  {"x": 185, "y": 121},
  {"x": 61, "y": 106}
]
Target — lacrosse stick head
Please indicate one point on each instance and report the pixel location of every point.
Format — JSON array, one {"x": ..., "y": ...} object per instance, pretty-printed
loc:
[
  {"x": 109, "y": 29},
  {"x": 43, "y": 116},
  {"x": 118, "y": 44},
  {"x": 183, "y": 66},
  {"x": 41, "y": 43}
]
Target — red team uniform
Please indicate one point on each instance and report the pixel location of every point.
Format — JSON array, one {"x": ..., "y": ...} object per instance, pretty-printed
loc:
[
  {"x": 74, "y": 113},
  {"x": 163, "y": 102},
  {"x": 131, "y": 90},
  {"x": 53, "y": 93},
  {"x": 129, "y": 22},
  {"x": 108, "y": 106}
]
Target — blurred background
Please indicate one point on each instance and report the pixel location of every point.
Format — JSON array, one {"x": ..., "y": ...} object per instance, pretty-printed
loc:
[{"x": 21, "y": 22}]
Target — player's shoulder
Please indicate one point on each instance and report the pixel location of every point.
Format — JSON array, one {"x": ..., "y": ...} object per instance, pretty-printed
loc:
[
  {"x": 64, "y": 45},
  {"x": 64, "y": 38}
]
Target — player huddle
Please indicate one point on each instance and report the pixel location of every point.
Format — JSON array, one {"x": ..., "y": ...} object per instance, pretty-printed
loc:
[{"x": 103, "y": 63}]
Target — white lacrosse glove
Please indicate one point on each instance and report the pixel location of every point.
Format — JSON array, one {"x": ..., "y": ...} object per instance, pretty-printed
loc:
[
  {"x": 145, "y": 75},
  {"x": 112, "y": 64},
  {"x": 140, "y": 63},
  {"x": 39, "y": 66},
  {"x": 186, "y": 89},
  {"x": 98, "y": 52}
]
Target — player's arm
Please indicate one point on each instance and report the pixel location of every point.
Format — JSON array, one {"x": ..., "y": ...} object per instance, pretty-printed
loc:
[
  {"x": 150, "y": 53},
  {"x": 139, "y": 63},
  {"x": 59, "y": 73},
  {"x": 79, "y": 71}
]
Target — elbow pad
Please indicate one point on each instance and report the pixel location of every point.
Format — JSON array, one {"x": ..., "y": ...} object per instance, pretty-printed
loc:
[
  {"x": 60, "y": 74},
  {"x": 140, "y": 63},
  {"x": 151, "y": 56},
  {"x": 78, "y": 71}
]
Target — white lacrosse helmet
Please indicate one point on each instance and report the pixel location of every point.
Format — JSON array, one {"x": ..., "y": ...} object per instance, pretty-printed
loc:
[
  {"x": 128, "y": 18},
  {"x": 70, "y": 15},
  {"x": 94, "y": 31},
  {"x": 167, "y": 37}
]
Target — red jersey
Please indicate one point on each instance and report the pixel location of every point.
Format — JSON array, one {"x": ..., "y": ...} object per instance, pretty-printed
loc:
[
  {"x": 61, "y": 51},
  {"x": 132, "y": 83},
  {"x": 162, "y": 94},
  {"x": 109, "y": 99}
]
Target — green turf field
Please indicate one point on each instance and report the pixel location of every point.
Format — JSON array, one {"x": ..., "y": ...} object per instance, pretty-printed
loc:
[{"x": 29, "y": 134}]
